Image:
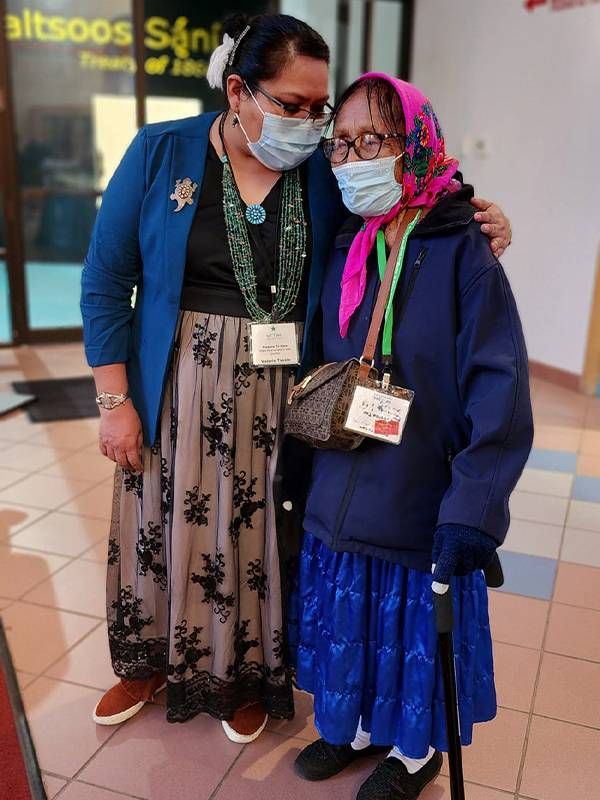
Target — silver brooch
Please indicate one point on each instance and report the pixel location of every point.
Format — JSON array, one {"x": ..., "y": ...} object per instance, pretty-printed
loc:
[{"x": 184, "y": 189}]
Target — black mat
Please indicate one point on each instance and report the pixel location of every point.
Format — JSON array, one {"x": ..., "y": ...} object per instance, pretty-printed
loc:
[{"x": 60, "y": 399}]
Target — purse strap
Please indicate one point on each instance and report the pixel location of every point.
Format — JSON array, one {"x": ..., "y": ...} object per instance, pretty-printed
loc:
[{"x": 368, "y": 356}]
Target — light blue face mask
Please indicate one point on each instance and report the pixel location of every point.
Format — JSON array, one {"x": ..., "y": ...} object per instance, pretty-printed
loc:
[
  {"x": 369, "y": 188},
  {"x": 284, "y": 142}
]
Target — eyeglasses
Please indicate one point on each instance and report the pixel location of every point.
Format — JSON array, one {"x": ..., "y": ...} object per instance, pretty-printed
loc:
[
  {"x": 294, "y": 110},
  {"x": 367, "y": 146}
]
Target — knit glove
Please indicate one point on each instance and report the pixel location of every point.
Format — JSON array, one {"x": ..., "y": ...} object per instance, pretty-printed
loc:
[{"x": 459, "y": 550}]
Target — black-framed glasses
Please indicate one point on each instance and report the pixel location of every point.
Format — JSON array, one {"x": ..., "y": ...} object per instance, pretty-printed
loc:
[
  {"x": 367, "y": 146},
  {"x": 297, "y": 111}
]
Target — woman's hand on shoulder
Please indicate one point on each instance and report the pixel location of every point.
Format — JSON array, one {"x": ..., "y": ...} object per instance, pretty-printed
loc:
[
  {"x": 495, "y": 224},
  {"x": 121, "y": 437}
]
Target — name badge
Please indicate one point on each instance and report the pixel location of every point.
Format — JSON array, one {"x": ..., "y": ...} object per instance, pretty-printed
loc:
[
  {"x": 379, "y": 413},
  {"x": 274, "y": 344}
]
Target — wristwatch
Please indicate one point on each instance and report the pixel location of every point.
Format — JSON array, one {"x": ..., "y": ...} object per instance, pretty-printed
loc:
[{"x": 110, "y": 401}]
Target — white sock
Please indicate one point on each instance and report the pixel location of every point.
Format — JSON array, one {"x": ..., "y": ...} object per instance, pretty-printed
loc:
[
  {"x": 412, "y": 764},
  {"x": 362, "y": 738}
]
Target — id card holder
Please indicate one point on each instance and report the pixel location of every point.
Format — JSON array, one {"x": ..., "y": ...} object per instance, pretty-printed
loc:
[
  {"x": 274, "y": 344},
  {"x": 379, "y": 411}
]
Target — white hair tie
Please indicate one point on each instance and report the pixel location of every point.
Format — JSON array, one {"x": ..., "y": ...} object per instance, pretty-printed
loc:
[
  {"x": 221, "y": 58},
  {"x": 218, "y": 62}
]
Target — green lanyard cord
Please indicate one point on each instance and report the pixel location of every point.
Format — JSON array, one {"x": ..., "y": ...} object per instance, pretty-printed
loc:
[{"x": 388, "y": 328}]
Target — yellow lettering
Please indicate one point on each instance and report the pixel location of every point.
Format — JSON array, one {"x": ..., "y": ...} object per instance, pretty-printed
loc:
[
  {"x": 101, "y": 31},
  {"x": 216, "y": 34},
  {"x": 180, "y": 38},
  {"x": 56, "y": 26},
  {"x": 122, "y": 35},
  {"x": 157, "y": 66},
  {"x": 14, "y": 28},
  {"x": 158, "y": 37},
  {"x": 78, "y": 30},
  {"x": 38, "y": 26},
  {"x": 204, "y": 35},
  {"x": 27, "y": 22}
]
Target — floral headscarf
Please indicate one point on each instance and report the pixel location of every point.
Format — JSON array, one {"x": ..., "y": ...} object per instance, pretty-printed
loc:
[{"x": 428, "y": 173}]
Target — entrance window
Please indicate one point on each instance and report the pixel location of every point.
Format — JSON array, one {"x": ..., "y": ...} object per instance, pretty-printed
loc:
[{"x": 68, "y": 66}]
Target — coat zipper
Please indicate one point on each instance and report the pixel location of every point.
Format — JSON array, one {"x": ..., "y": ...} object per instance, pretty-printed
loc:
[
  {"x": 339, "y": 520},
  {"x": 411, "y": 285}
]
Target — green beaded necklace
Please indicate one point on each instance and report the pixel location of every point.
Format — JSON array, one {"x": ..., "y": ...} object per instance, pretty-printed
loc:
[{"x": 291, "y": 252}]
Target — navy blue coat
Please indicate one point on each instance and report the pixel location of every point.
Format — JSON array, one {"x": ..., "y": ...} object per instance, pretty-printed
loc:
[
  {"x": 459, "y": 345},
  {"x": 139, "y": 240}
]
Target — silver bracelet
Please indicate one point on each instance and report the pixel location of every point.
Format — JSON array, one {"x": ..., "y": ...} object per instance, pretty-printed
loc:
[{"x": 109, "y": 401}]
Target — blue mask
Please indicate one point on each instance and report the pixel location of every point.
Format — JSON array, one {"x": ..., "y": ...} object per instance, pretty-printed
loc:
[
  {"x": 369, "y": 188},
  {"x": 284, "y": 142}
]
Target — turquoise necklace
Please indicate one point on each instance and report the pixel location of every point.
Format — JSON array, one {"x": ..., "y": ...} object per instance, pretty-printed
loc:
[{"x": 291, "y": 251}]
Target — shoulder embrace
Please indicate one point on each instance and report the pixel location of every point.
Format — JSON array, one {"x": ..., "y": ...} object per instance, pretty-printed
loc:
[{"x": 474, "y": 257}]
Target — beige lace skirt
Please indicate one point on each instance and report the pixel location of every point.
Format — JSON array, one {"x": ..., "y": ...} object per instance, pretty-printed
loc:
[{"x": 194, "y": 585}]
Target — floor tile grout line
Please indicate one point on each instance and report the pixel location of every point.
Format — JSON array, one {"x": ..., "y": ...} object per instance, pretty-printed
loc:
[
  {"x": 218, "y": 787},
  {"x": 57, "y": 608},
  {"x": 8, "y": 543},
  {"x": 85, "y": 764},
  {"x": 114, "y": 791},
  {"x": 43, "y": 674},
  {"x": 536, "y": 684}
]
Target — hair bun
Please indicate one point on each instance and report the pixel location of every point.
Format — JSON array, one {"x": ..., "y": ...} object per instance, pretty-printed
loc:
[{"x": 234, "y": 24}]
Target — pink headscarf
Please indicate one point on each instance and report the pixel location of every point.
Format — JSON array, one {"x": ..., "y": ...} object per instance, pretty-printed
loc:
[{"x": 428, "y": 173}]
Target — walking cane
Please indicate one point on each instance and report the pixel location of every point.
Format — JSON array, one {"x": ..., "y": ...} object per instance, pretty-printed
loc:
[{"x": 444, "y": 621}]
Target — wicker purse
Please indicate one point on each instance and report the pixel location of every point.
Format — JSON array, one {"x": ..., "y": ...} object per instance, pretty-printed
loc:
[{"x": 318, "y": 406}]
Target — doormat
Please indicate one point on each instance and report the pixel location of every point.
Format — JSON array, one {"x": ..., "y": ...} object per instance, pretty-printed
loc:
[
  {"x": 60, "y": 399},
  {"x": 19, "y": 769}
]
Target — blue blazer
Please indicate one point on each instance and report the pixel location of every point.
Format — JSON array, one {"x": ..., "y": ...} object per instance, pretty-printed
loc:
[{"x": 138, "y": 240}]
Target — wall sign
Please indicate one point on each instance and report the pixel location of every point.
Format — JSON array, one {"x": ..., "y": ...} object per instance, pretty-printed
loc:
[
  {"x": 559, "y": 5},
  {"x": 179, "y": 39}
]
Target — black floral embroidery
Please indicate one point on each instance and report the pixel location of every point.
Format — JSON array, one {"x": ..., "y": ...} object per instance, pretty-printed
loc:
[
  {"x": 204, "y": 347},
  {"x": 244, "y": 504},
  {"x": 197, "y": 513},
  {"x": 210, "y": 581},
  {"x": 149, "y": 545},
  {"x": 173, "y": 426},
  {"x": 241, "y": 647},
  {"x": 264, "y": 437},
  {"x": 155, "y": 449},
  {"x": 243, "y": 373},
  {"x": 257, "y": 578},
  {"x": 278, "y": 652},
  {"x": 166, "y": 488},
  {"x": 188, "y": 644},
  {"x": 219, "y": 423},
  {"x": 133, "y": 482},
  {"x": 129, "y": 621},
  {"x": 114, "y": 552}
]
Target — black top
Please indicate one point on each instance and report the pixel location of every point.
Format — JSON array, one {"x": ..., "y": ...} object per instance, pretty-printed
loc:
[{"x": 209, "y": 282}]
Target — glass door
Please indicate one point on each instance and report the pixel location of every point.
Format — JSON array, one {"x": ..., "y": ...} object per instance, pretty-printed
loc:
[{"x": 72, "y": 68}]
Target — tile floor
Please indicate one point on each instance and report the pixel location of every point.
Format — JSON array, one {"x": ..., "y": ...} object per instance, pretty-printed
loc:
[{"x": 54, "y": 504}]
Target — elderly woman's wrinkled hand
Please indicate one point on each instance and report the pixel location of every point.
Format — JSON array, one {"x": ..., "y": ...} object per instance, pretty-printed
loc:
[{"x": 495, "y": 224}]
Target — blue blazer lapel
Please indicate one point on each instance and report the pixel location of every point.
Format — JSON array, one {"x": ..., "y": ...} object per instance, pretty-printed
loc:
[
  {"x": 188, "y": 160},
  {"x": 326, "y": 213}
]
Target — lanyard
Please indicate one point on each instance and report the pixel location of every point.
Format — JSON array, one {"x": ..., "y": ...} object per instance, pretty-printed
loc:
[{"x": 388, "y": 328}]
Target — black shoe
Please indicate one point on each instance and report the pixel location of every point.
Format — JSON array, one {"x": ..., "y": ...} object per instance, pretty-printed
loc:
[
  {"x": 392, "y": 781},
  {"x": 321, "y": 760}
]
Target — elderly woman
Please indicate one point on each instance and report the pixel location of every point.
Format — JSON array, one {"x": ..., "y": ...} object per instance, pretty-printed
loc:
[{"x": 378, "y": 517}]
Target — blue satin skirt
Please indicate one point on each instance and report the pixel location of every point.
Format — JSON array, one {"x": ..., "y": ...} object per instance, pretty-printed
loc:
[{"x": 363, "y": 641}]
